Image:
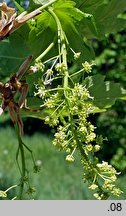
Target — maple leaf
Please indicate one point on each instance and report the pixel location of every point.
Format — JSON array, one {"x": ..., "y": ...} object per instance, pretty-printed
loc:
[{"x": 9, "y": 22}]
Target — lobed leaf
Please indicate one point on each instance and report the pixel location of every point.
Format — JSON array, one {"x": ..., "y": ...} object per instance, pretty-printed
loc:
[
  {"x": 42, "y": 34},
  {"x": 34, "y": 109},
  {"x": 12, "y": 56},
  {"x": 105, "y": 17},
  {"x": 40, "y": 114},
  {"x": 87, "y": 4},
  {"x": 105, "y": 93}
]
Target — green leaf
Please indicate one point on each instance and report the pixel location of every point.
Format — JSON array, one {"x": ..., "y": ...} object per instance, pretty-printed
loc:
[
  {"x": 68, "y": 14},
  {"x": 104, "y": 92},
  {"x": 88, "y": 5},
  {"x": 40, "y": 114},
  {"x": 70, "y": 18},
  {"x": 105, "y": 17},
  {"x": 10, "y": 59},
  {"x": 89, "y": 26},
  {"x": 78, "y": 44},
  {"x": 34, "y": 102},
  {"x": 20, "y": 8},
  {"x": 66, "y": 10},
  {"x": 13, "y": 52},
  {"x": 42, "y": 34},
  {"x": 46, "y": 30},
  {"x": 34, "y": 109},
  {"x": 40, "y": 2}
]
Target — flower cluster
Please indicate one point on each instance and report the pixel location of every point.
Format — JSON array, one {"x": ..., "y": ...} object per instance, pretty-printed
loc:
[
  {"x": 40, "y": 91},
  {"x": 107, "y": 175},
  {"x": 79, "y": 130},
  {"x": 68, "y": 109},
  {"x": 87, "y": 66},
  {"x": 61, "y": 68},
  {"x": 80, "y": 100},
  {"x": 38, "y": 66},
  {"x": 79, "y": 91},
  {"x": 77, "y": 55},
  {"x": 61, "y": 140}
]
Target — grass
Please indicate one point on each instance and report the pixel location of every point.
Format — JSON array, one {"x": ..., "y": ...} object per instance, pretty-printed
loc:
[{"x": 57, "y": 180}]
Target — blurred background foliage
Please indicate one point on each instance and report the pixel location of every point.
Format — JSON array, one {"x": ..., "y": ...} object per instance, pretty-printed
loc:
[
  {"x": 111, "y": 61},
  {"x": 58, "y": 179}
]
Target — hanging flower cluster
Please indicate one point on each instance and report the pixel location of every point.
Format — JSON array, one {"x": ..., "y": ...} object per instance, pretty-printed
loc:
[{"x": 68, "y": 110}]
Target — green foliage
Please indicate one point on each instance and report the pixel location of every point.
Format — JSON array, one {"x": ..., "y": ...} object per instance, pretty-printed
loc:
[
  {"x": 41, "y": 35},
  {"x": 53, "y": 169},
  {"x": 111, "y": 58},
  {"x": 111, "y": 62},
  {"x": 58, "y": 38},
  {"x": 105, "y": 14},
  {"x": 44, "y": 29},
  {"x": 11, "y": 56},
  {"x": 112, "y": 125},
  {"x": 119, "y": 159},
  {"x": 110, "y": 91}
]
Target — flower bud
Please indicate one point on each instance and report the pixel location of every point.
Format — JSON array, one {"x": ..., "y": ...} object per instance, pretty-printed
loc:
[{"x": 70, "y": 158}]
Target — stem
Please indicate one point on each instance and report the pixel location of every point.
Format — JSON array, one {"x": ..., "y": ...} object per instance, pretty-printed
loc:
[
  {"x": 40, "y": 8},
  {"x": 52, "y": 58},
  {"x": 45, "y": 52},
  {"x": 23, "y": 167},
  {"x": 14, "y": 198},
  {"x": 73, "y": 150},
  {"x": 10, "y": 188},
  {"x": 63, "y": 51},
  {"x": 59, "y": 29},
  {"x": 62, "y": 40},
  {"x": 54, "y": 89},
  {"x": 47, "y": 5},
  {"x": 66, "y": 74},
  {"x": 57, "y": 108},
  {"x": 74, "y": 74}
]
